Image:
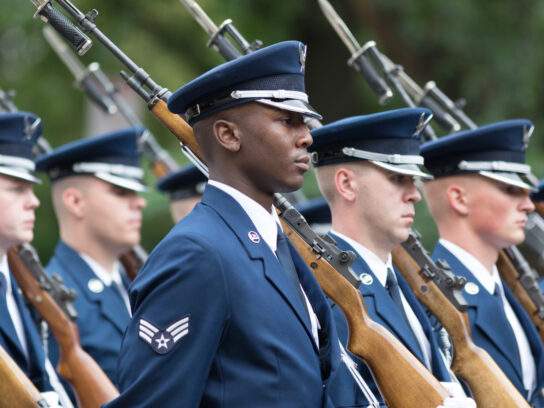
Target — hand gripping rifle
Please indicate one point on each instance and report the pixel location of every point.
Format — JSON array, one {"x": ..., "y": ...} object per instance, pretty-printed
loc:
[
  {"x": 52, "y": 301},
  {"x": 330, "y": 266},
  {"x": 440, "y": 292}
]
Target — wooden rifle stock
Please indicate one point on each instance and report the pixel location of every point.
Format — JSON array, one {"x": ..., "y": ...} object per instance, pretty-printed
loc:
[
  {"x": 402, "y": 379},
  {"x": 511, "y": 276},
  {"x": 91, "y": 385},
  {"x": 539, "y": 208},
  {"x": 489, "y": 386},
  {"x": 16, "y": 389},
  {"x": 175, "y": 124}
]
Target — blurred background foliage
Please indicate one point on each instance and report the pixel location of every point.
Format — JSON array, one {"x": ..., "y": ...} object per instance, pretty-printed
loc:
[{"x": 488, "y": 53}]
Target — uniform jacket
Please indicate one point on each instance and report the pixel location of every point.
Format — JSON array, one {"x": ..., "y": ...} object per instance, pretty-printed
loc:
[
  {"x": 487, "y": 327},
  {"x": 34, "y": 367},
  {"x": 102, "y": 315},
  {"x": 381, "y": 309},
  {"x": 246, "y": 340}
]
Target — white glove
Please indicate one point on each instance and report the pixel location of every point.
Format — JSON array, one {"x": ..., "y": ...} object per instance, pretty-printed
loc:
[
  {"x": 52, "y": 399},
  {"x": 458, "y": 397}
]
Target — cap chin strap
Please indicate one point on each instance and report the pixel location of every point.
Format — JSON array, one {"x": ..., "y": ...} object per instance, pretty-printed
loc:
[
  {"x": 274, "y": 94},
  {"x": 381, "y": 157},
  {"x": 11, "y": 161},
  {"x": 494, "y": 166},
  {"x": 117, "y": 169}
]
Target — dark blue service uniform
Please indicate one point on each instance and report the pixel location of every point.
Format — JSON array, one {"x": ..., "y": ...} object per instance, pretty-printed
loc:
[
  {"x": 218, "y": 323},
  {"x": 488, "y": 328},
  {"x": 381, "y": 309},
  {"x": 102, "y": 314}
]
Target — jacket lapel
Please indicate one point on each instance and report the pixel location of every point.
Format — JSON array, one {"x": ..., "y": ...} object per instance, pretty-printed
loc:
[
  {"x": 379, "y": 304},
  {"x": 239, "y": 222},
  {"x": 485, "y": 305},
  {"x": 13, "y": 345},
  {"x": 36, "y": 356},
  {"x": 107, "y": 298}
]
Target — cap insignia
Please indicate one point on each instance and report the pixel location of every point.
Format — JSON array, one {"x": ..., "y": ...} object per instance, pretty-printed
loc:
[{"x": 302, "y": 56}]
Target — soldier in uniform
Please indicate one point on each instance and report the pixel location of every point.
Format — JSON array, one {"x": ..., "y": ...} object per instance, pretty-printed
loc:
[
  {"x": 18, "y": 333},
  {"x": 480, "y": 202},
  {"x": 184, "y": 187},
  {"x": 226, "y": 313},
  {"x": 365, "y": 167},
  {"x": 95, "y": 191}
]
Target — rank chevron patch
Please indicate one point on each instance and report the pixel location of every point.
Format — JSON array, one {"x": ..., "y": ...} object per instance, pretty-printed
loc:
[{"x": 162, "y": 341}]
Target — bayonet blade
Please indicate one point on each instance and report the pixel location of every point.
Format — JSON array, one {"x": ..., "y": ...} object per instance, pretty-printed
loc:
[
  {"x": 339, "y": 26},
  {"x": 207, "y": 24}
]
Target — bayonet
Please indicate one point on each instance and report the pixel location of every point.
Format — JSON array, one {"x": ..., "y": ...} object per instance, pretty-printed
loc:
[
  {"x": 358, "y": 58},
  {"x": 83, "y": 76},
  {"x": 218, "y": 40}
]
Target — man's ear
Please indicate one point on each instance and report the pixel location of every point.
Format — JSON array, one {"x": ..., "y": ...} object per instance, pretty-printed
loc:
[
  {"x": 73, "y": 201},
  {"x": 458, "y": 199},
  {"x": 227, "y": 134},
  {"x": 346, "y": 184}
]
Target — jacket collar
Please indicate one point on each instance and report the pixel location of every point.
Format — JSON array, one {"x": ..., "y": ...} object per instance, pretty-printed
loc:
[{"x": 109, "y": 301}]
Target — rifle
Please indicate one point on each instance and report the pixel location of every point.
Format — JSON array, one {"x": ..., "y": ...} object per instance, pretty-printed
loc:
[
  {"x": 440, "y": 292},
  {"x": 521, "y": 279},
  {"x": 52, "y": 301},
  {"x": 6, "y": 101},
  {"x": 16, "y": 389},
  {"x": 330, "y": 266}
]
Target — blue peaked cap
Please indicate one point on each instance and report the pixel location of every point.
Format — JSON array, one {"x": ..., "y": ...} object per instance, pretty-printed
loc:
[
  {"x": 113, "y": 157},
  {"x": 315, "y": 211},
  {"x": 187, "y": 181},
  {"x": 389, "y": 139},
  {"x": 18, "y": 134},
  {"x": 273, "y": 75},
  {"x": 495, "y": 151}
]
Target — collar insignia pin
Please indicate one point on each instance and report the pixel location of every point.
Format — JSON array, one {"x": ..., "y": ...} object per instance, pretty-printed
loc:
[
  {"x": 254, "y": 237},
  {"x": 471, "y": 288},
  {"x": 366, "y": 279},
  {"x": 95, "y": 286}
]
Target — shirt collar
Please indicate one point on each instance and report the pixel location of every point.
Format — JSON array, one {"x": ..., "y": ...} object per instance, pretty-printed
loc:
[
  {"x": 266, "y": 222},
  {"x": 487, "y": 280},
  {"x": 4, "y": 269},
  {"x": 376, "y": 265},
  {"x": 101, "y": 272}
]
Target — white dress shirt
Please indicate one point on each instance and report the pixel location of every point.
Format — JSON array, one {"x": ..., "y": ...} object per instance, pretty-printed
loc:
[
  {"x": 12, "y": 306},
  {"x": 488, "y": 281},
  {"x": 379, "y": 269},
  {"x": 108, "y": 277},
  {"x": 267, "y": 224}
]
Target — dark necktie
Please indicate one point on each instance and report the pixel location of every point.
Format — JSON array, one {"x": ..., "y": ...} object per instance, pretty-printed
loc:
[
  {"x": 508, "y": 331},
  {"x": 284, "y": 256},
  {"x": 392, "y": 286}
]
